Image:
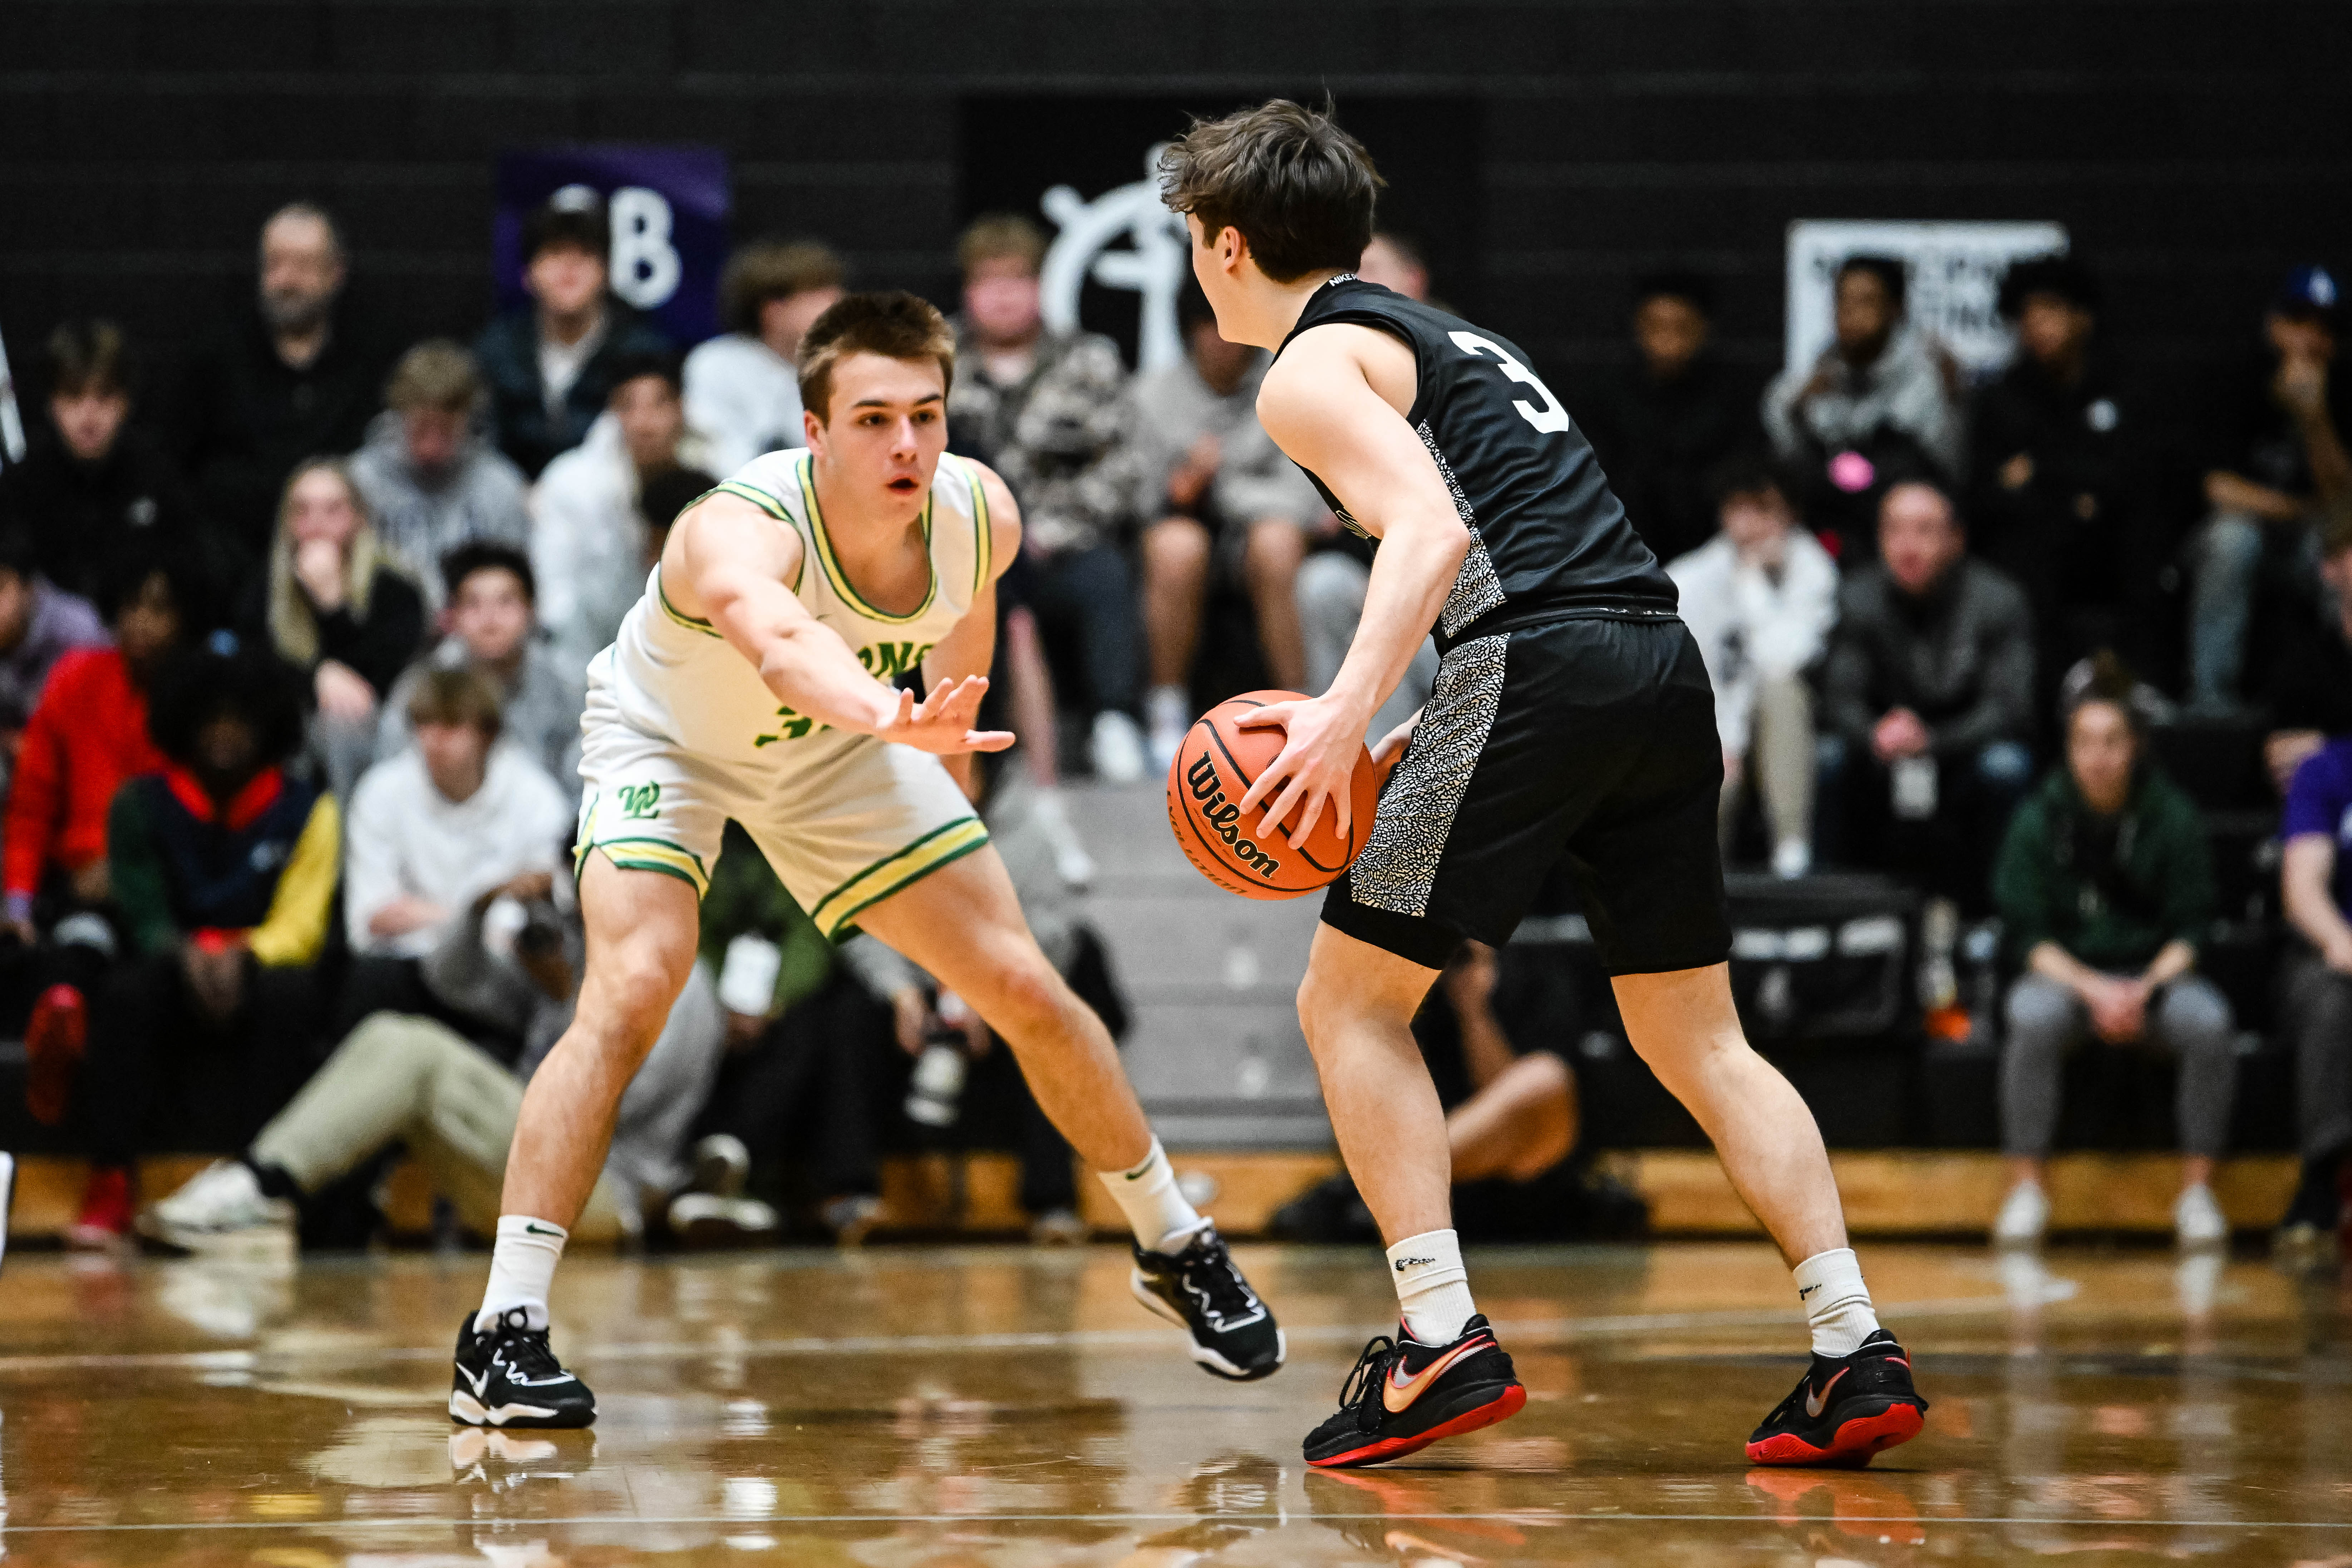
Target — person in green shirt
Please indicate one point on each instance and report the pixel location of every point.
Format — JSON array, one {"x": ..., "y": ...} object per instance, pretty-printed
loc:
[{"x": 2104, "y": 884}]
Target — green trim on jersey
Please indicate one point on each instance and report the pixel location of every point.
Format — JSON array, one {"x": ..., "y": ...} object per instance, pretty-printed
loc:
[
  {"x": 774, "y": 506},
  {"x": 839, "y": 578},
  {"x": 680, "y": 616},
  {"x": 983, "y": 542},
  {"x": 835, "y": 912}
]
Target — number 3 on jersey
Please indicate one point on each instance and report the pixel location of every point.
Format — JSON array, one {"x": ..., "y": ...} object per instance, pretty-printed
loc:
[{"x": 1551, "y": 416}]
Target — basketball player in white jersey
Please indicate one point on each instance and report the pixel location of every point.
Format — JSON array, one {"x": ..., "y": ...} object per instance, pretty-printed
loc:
[{"x": 755, "y": 680}]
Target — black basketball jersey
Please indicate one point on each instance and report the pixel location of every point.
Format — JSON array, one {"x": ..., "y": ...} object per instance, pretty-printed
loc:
[{"x": 1547, "y": 537}]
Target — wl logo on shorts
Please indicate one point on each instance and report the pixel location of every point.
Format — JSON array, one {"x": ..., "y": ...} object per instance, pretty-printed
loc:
[
  {"x": 638, "y": 801},
  {"x": 1219, "y": 815}
]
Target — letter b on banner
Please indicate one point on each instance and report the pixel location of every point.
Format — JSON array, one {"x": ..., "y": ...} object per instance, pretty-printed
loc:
[{"x": 646, "y": 265}]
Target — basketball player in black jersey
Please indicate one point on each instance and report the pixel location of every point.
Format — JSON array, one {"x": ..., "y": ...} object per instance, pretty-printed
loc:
[{"x": 1570, "y": 716}]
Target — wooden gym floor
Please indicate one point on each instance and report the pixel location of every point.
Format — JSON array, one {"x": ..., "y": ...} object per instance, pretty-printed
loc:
[{"x": 1004, "y": 1407}]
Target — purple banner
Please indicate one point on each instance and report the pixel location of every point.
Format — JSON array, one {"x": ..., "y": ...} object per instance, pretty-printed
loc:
[{"x": 668, "y": 207}]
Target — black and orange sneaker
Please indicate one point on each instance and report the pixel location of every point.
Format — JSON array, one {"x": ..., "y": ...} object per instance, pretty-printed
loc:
[
  {"x": 1404, "y": 1396},
  {"x": 1845, "y": 1410}
]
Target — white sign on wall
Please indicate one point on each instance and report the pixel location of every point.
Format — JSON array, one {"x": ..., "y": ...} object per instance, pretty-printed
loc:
[
  {"x": 1154, "y": 264},
  {"x": 1956, "y": 272}
]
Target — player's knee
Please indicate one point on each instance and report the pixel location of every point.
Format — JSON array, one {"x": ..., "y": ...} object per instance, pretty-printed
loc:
[
  {"x": 636, "y": 983},
  {"x": 1027, "y": 1000}
]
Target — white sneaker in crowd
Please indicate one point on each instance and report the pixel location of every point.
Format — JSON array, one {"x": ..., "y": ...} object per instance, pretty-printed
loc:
[
  {"x": 1117, "y": 749},
  {"x": 1165, "y": 718},
  {"x": 1792, "y": 859},
  {"x": 2024, "y": 1216},
  {"x": 706, "y": 1220},
  {"x": 221, "y": 1201},
  {"x": 1059, "y": 1227},
  {"x": 2198, "y": 1220},
  {"x": 1070, "y": 858}
]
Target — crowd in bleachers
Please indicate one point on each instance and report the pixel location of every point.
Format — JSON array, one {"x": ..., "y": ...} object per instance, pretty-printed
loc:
[{"x": 292, "y": 661}]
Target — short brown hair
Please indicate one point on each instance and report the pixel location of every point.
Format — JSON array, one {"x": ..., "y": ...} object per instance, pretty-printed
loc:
[
  {"x": 446, "y": 695},
  {"x": 894, "y": 324},
  {"x": 1300, "y": 190},
  {"x": 88, "y": 358},
  {"x": 435, "y": 374},
  {"x": 992, "y": 236},
  {"x": 771, "y": 270}
]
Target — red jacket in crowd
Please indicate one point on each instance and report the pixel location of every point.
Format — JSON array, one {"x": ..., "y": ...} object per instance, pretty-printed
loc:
[{"x": 87, "y": 737}]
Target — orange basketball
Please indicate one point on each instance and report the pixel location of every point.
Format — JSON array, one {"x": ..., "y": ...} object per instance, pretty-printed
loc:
[{"x": 1214, "y": 769}]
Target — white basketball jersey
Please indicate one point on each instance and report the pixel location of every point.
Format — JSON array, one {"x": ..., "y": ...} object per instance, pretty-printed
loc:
[{"x": 677, "y": 677}]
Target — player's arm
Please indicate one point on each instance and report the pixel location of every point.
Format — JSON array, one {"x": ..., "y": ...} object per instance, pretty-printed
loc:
[
  {"x": 728, "y": 563},
  {"x": 1323, "y": 403},
  {"x": 969, "y": 649}
]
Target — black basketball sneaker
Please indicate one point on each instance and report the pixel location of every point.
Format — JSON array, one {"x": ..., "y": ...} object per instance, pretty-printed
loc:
[
  {"x": 1202, "y": 1288},
  {"x": 1404, "y": 1396},
  {"x": 507, "y": 1376},
  {"x": 1845, "y": 1410}
]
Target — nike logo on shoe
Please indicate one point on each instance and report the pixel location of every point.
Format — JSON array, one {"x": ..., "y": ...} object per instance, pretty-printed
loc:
[
  {"x": 480, "y": 1381},
  {"x": 1817, "y": 1403},
  {"x": 1411, "y": 1388}
]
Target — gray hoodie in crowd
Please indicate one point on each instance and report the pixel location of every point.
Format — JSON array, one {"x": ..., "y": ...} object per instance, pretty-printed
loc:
[
  {"x": 421, "y": 517},
  {"x": 539, "y": 713}
]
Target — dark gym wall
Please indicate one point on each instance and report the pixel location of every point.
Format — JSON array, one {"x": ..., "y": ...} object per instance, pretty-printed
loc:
[{"x": 2196, "y": 148}]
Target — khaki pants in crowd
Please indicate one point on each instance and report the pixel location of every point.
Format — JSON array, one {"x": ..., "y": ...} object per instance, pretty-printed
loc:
[
  {"x": 399, "y": 1079},
  {"x": 1780, "y": 762}
]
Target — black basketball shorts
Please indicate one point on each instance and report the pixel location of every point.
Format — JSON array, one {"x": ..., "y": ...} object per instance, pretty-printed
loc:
[{"x": 1591, "y": 737}]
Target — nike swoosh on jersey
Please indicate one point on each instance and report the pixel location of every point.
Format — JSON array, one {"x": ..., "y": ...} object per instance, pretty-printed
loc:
[
  {"x": 1817, "y": 1403},
  {"x": 1412, "y": 1387}
]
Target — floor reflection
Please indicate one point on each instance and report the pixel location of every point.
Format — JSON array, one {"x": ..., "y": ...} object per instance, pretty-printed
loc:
[{"x": 1005, "y": 1409}]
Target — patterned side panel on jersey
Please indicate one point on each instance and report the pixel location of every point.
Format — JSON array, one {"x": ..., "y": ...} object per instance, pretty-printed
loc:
[
  {"x": 1399, "y": 861},
  {"x": 1476, "y": 589}
]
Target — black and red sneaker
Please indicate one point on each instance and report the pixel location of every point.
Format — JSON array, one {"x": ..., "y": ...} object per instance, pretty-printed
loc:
[
  {"x": 1845, "y": 1410},
  {"x": 1404, "y": 1396}
]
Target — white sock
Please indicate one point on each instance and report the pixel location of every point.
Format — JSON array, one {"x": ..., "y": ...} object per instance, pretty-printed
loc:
[
  {"x": 1163, "y": 1221},
  {"x": 1432, "y": 1287},
  {"x": 1837, "y": 1303},
  {"x": 522, "y": 1267}
]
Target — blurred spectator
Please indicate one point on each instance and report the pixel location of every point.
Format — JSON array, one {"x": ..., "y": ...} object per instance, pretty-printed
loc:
[
  {"x": 1044, "y": 410},
  {"x": 2315, "y": 990},
  {"x": 1929, "y": 699},
  {"x": 2278, "y": 433},
  {"x": 2310, "y": 693},
  {"x": 300, "y": 375},
  {"x": 799, "y": 1088},
  {"x": 433, "y": 826},
  {"x": 1662, "y": 424},
  {"x": 551, "y": 367},
  {"x": 1394, "y": 261},
  {"x": 592, "y": 544},
  {"x": 1879, "y": 406},
  {"x": 1225, "y": 498},
  {"x": 488, "y": 629},
  {"x": 335, "y": 608},
  {"x": 87, "y": 735},
  {"x": 2105, "y": 887},
  {"x": 39, "y": 625},
  {"x": 1760, "y": 597},
  {"x": 224, "y": 872},
  {"x": 430, "y": 481},
  {"x": 398, "y": 1078},
  {"x": 743, "y": 390},
  {"x": 91, "y": 482},
  {"x": 2058, "y": 471}
]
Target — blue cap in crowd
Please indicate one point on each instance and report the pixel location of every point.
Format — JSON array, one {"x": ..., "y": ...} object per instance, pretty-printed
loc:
[{"x": 2309, "y": 291}]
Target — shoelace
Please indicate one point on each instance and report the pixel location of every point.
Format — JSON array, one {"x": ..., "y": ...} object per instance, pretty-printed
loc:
[
  {"x": 528, "y": 1350},
  {"x": 1371, "y": 1370},
  {"x": 1209, "y": 1267}
]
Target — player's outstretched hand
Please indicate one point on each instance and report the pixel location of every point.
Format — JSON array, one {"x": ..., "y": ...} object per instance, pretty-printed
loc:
[
  {"x": 1315, "y": 770},
  {"x": 941, "y": 722}
]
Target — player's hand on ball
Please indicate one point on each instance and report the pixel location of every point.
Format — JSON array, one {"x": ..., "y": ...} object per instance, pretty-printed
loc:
[
  {"x": 941, "y": 722},
  {"x": 1314, "y": 771}
]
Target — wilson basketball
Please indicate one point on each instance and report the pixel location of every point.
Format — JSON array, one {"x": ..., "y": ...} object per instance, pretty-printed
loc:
[{"x": 1214, "y": 768}]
